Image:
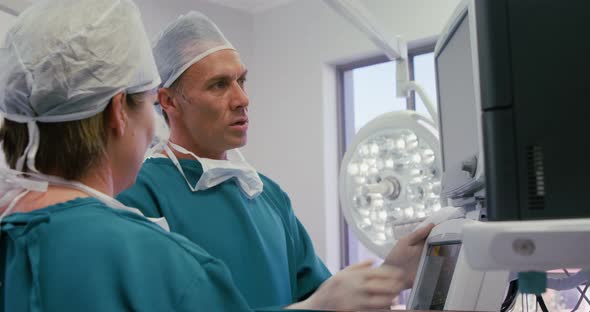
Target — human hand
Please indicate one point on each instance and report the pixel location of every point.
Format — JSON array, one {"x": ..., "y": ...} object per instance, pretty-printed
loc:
[
  {"x": 357, "y": 287},
  {"x": 405, "y": 255}
]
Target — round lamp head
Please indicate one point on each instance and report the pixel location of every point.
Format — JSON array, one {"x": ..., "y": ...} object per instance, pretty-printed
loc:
[{"x": 390, "y": 178}]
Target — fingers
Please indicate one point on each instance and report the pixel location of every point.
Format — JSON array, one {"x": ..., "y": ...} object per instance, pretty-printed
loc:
[
  {"x": 382, "y": 272},
  {"x": 361, "y": 287},
  {"x": 382, "y": 287},
  {"x": 377, "y": 302},
  {"x": 361, "y": 265},
  {"x": 419, "y": 235}
]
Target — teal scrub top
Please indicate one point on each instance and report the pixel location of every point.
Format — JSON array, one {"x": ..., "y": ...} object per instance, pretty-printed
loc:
[
  {"x": 81, "y": 255},
  {"x": 266, "y": 248}
]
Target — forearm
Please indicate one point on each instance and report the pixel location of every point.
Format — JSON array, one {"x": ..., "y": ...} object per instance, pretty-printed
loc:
[{"x": 355, "y": 294}]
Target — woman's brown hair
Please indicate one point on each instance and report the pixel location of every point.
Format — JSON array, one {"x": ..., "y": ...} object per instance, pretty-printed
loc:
[{"x": 67, "y": 149}]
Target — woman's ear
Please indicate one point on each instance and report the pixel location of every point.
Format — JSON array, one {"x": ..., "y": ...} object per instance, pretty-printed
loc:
[{"x": 117, "y": 114}]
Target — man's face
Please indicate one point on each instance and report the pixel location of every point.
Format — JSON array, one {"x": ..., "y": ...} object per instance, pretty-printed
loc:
[{"x": 213, "y": 103}]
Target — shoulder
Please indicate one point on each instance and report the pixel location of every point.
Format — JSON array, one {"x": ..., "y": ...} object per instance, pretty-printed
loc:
[
  {"x": 153, "y": 167},
  {"x": 153, "y": 171},
  {"x": 93, "y": 223},
  {"x": 278, "y": 200},
  {"x": 273, "y": 192},
  {"x": 271, "y": 187},
  {"x": 145, "y": 194}
]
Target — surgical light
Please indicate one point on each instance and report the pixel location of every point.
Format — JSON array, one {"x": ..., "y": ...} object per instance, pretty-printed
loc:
[{"x": 390, "y": 178}]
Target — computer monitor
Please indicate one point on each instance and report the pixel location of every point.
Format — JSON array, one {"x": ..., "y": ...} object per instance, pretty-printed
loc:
[
  {"x": 458, "y": 105},
  {"x": 523, "y": 102}
]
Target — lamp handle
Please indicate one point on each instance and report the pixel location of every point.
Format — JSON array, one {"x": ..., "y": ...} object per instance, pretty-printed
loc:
[{"x": 412, "y": 85}]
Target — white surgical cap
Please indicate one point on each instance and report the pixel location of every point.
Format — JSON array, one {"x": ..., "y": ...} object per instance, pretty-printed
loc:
[
  {"x": 184, "y": 42},
  {"x": 64, "y": 60}
]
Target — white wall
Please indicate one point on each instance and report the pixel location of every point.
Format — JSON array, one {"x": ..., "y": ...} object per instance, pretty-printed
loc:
[
  {"x": 293, "y": 136},
  {"x": 235, "y": 25}
]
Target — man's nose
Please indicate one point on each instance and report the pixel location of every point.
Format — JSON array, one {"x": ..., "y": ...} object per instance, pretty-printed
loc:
[{"x": 239, "y": 97}]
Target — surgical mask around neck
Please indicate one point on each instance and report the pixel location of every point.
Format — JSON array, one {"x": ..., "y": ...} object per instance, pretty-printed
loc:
[{"x": 218, "y": 171}]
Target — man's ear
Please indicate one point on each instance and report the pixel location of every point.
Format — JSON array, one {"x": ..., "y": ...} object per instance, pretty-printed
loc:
[
  {"x": 117, "y": 115},
  {"x": 168, "y": 102}
]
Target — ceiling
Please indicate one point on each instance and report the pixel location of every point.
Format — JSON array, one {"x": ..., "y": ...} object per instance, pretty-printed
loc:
[{"x": 250, "y": 6}]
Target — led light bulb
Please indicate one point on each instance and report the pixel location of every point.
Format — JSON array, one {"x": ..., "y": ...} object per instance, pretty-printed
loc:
[
  {"x": 428, "y": 156},
  {"x": 374, "y": 171},
  {"x": 374, "y": 149},
  {"x": 377, "y": 203},
  {"x": 411, "y": 141},
  {"x": 363, "y": 212},
  {"x": 436, "y": 207},
  {"x": 416, "y": 159},
  {"x": 380, "y": 164},
  {"x": 400, "y": 145},
  {"x": 360, "y": 180},
  {"x": 364, "y": 169},
  {"x": 353, "y": 169},
  {"x": 379, "y": 226},
  {"x": 436, "y": 187},
  {"x": 365, "y": 223},
  {"x": 389, "y": 163},
  {"x": 383, "y": 215}
]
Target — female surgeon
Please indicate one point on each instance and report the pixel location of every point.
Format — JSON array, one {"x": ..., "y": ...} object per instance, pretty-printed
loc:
[{"x": 77, "y": 86}]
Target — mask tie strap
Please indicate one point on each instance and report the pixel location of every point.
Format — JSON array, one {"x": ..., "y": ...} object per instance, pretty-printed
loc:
[
  {"x": 34, "y": 138},
  {"x": 178, "y": 166}
]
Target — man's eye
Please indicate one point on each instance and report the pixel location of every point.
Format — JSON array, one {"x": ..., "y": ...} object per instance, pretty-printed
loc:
[
  {"x": 219, "y": 85},
  {"x": 242, "y": 81}
]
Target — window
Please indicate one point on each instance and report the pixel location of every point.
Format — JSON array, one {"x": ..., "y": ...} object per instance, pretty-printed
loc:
[
  {"x": 423, "y": 72},
  {"x": 369, "y": 90}
]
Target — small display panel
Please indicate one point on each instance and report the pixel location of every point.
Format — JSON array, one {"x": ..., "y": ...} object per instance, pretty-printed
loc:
[{"x": 436, "y": 275}]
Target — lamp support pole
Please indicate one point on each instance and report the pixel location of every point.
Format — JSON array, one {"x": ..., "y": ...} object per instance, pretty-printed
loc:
[
  {"x": 394, "y": 48},
  {"x": 362, "y": 19}
]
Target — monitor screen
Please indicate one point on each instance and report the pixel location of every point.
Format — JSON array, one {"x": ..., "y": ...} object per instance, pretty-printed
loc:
[
  {"x": 457, "y": 105},
  {"x": 436, "y": 275}
]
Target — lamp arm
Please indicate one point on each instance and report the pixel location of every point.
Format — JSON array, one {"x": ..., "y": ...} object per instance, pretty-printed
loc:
[
  {"x": 362, "y": 19},
  {"x": 412, "y": 85},
  {"x": 395, "y": 48}
]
